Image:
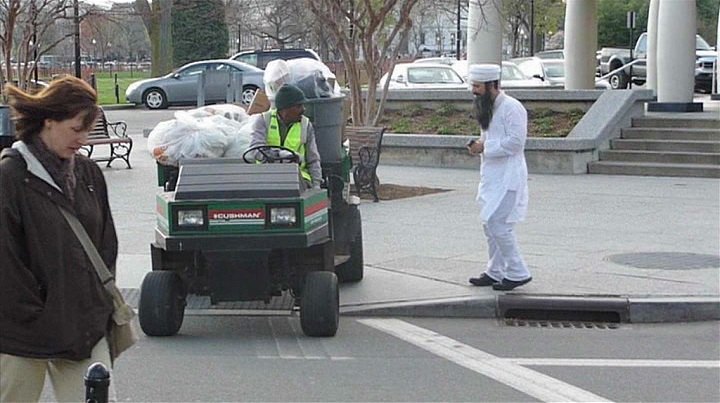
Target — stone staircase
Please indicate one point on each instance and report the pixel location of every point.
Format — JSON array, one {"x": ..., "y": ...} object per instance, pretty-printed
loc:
[{"x": 664, "y": 146}]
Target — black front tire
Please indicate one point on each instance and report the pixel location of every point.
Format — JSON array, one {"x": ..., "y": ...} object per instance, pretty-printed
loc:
[
  {"x": 320, "y": 304},
  {"x": 162, "y": 303},
  {"x": 155, "y": 98}
]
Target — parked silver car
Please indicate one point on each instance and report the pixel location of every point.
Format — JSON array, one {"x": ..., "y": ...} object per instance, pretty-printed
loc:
[
  {"x": 510, "y": 77},
  {"x": 423, "y": 76},
  {"x": 551, "y": 71},
  {"x": 181, "y": 86}
]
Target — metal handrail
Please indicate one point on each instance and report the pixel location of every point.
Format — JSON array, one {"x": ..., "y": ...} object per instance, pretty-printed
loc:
[
  {"x": 621, "y": 68},
  {"x": 714, "y": 87}
]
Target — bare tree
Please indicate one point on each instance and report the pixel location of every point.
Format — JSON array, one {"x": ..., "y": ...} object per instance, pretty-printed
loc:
[
  {"x": 28, "y": 31},
  {"x": 376, "y": 27},
  {"x": 284, "y": 22},
  {"x": 434, "y": 15},
  {"x": 241, "y": 20},
  {"x": 10, "y": 10},
  {"x": 158, "y": 23},
  {"x": 128, "y": 34}
]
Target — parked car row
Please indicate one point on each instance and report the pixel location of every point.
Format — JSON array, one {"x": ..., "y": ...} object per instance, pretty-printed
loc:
[
  {"x": 546, "y": 69},
  {"x": 181, "y": 86}
]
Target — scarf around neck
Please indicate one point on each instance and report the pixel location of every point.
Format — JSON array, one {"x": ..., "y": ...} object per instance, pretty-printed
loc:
[{"x": 61, "y": 170}]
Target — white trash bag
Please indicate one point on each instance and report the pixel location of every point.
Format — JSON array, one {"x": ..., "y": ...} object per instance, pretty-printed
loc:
[
  {"x": 276, "y": 74},
  {"x": 239, "y": 140},
  {"x": 186, "y": 137},
  {"x": 228, "y": 111},
  {"x": 313, "y": 77}
]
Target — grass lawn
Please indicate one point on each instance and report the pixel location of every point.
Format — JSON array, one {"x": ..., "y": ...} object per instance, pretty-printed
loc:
[{"x": 105, "y": 82}]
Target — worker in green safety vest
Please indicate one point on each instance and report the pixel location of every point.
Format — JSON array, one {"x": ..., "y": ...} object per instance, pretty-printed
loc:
[{"x": 286, "y": 126}]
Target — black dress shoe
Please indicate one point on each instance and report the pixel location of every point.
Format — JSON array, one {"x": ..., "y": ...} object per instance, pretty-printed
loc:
[
  {"x": 507, "y": 285},
  {"x": 483, "y": 281}
]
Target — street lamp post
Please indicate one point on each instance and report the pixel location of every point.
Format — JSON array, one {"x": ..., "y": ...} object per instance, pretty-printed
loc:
[
  {"x": 94, "y": 43},
  {"x": 76, "y": 20},
  {"x": 33, "y": 46},
  {"x": 109, "y": 55},
  {"x": 34, "y": 43}
]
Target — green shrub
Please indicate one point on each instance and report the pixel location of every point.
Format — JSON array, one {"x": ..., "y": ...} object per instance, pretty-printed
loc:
[
  {"x": 412, "y": 111},
  {"x": 541, "y": 113},
  {"x": 447, "y": 110},
  {"x": 574, "y": 116},
  {"x": 544, "y": 124},
  {"x": 401, "y": 125}
]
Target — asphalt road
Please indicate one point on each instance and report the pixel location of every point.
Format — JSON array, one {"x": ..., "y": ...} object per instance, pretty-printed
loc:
[
  {"x": 235, "y": 358},
  {"x": 261, "y": 358}
]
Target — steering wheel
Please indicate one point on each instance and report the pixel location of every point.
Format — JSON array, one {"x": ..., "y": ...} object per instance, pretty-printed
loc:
[{"x": 271, "y": 154}]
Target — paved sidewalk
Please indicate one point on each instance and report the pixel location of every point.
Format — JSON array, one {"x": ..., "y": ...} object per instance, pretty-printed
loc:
[{"x": 649, "y": 244}]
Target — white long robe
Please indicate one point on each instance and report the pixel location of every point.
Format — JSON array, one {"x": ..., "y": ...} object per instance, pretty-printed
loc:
[{"x": 503, "y": 165}]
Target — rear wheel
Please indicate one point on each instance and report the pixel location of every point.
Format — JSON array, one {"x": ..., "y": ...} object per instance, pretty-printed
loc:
[
  {"x": 353, "y": 270},
  {"x": 248, "y": 93},
  {"x": 162, "y": 303},
  {"x": 619, "y": 80},
  {"x": 320, "y": 304}
]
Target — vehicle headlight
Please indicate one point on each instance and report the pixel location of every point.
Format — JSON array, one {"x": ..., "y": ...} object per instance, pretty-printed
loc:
[
  {"x": 131, "y": 88},
  {"x": 190, "y": 218},
  {"x": 283, "y": 216}
]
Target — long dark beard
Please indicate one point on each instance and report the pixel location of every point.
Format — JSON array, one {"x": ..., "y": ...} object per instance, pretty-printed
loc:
[{"x": 483, "y": 105}]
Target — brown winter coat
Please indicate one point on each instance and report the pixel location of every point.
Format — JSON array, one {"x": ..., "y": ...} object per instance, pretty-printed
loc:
[{"x": 52, "y": 304}]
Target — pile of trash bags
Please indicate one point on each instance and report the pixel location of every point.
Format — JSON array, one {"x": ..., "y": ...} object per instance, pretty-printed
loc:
[
  {"x": 224, "y": 131},
  {"x": 215, "y": 131},
  {"x": 312, "y": 76}
]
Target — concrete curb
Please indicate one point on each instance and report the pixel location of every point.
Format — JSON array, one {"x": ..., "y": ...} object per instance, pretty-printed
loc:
[
  {"x": 117, "y": 107},
  {"x": 627, "y": 309},
  {"x": 460, "y": 307}
]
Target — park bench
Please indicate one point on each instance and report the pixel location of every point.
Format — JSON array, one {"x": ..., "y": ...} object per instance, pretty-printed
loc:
[
  {"x": 365, "y": 143},
  {"x": 112, "y": 134}
]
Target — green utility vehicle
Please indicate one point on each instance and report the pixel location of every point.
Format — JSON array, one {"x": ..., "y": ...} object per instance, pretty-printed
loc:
[{"x": 239, "y": 231}]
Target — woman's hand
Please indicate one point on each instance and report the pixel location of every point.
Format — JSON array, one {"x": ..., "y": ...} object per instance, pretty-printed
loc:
[{"x": 476, "y": 147}]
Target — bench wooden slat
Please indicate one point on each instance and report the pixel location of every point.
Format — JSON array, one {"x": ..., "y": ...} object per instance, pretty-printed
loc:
[{"x": 113, "y": 134}]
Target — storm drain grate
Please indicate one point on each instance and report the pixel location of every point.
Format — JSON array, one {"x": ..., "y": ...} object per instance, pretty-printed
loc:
[
  {"x": 560, "y": 325},
  {"x": 562, "y": 319}
]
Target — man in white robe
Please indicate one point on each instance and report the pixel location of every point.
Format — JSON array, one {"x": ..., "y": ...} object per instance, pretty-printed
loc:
[{"x": 503, "y": 190}]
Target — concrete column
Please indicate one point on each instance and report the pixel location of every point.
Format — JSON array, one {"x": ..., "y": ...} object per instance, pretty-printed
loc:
[
  {"x": 651, "y": 61},
  {"x": 677, "y": 25},
  {"x": 716, "y": 95},
  {"x": 580, "y": 44},
  {"x": 485, "y": 31}
]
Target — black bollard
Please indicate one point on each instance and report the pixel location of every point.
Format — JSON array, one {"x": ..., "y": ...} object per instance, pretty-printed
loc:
[{"x": 97, "y": 382}]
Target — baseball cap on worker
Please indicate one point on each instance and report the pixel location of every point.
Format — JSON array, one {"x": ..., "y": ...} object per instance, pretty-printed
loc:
[
  {"x": 289, "y": 95},
  {"x": 483, "y": 73}
]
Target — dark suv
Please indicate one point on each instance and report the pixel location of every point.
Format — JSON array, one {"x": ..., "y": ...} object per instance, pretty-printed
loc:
[{"x": 260, "y": 58}]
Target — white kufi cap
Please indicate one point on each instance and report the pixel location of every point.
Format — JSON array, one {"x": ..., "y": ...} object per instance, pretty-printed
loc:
[{"x": 482, "y": 73}]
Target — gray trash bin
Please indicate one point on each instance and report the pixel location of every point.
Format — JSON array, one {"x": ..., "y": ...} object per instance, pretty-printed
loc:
[
  {"x": 326, "y": 115},
  {"x": 7, "y": 128}
]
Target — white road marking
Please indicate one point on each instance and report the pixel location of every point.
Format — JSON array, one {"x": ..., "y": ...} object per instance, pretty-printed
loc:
[
  {"x": 530, "y": 382},
  {"x": 591, "y": 362},
  {"x": 305, "y": 357}
]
